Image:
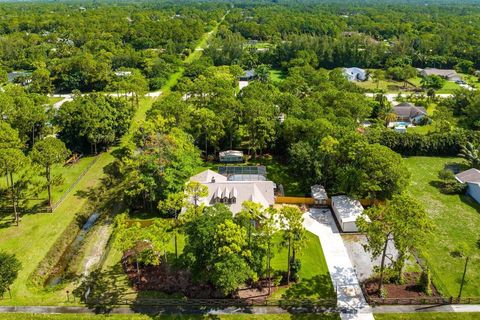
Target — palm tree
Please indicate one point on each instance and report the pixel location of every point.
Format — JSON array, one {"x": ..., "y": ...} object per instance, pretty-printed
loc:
[{"x": 471, "y": 153}]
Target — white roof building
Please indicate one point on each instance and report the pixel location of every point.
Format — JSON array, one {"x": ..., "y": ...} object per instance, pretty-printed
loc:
[
  {"x": 347, "y": 210},
  {"x": 234, "y": 193}
]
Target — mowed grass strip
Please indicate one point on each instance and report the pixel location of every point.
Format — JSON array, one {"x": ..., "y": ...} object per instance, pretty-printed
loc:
[
  {"x": 23, "y": 316},
  {"x": 35, "y": 235},
  {"x": 457, "y": 223},
  {"x": 428, "y": 316}
]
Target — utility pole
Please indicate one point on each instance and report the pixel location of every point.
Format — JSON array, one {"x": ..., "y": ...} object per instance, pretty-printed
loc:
[{"x": 463, "y": 279}]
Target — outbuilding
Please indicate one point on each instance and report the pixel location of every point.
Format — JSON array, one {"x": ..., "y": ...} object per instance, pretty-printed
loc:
[
  {"x": 231, "y": 156},
  {"x": 347, "y": 210},
  {"x": 319, "y": 194}
]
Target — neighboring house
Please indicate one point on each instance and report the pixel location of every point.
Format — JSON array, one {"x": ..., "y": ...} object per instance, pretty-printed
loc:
[
  {"x": 22, "y": 77},
  {"x": 347, "y": 210},
  {"x": 233, "y": 193},
  {"x": 319, "y": 194},
  {"x": 407, "y": 112},
  {"x": 472, "y": 178},
  {"x": 231, "y": 156},
  {"x": 355, "y": 74},
  {"x": 447, "y": 74},
  {"x": 248, "y": 75},
  {"x": 123, "y": 73}
]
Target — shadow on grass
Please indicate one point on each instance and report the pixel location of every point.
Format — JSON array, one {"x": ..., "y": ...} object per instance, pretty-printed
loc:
[
  {"x": 100, "y": 291},
  {"x": 317, "y": 287}
]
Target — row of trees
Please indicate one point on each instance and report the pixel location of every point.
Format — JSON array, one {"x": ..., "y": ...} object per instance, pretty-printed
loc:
[{"x": 18, "y": 169}]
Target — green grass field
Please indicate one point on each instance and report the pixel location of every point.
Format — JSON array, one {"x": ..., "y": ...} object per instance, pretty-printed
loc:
[
  {"x": 69, "y": 174},
  {"x": 32, "y": 239},
  {"x": 20, "y": 316},
  {"x": 428, "y": 316},
  {"x": 457, "y": 223},
  {"x": 277, "y": 75}
]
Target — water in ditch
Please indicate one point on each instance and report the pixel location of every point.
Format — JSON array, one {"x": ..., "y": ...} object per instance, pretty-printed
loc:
[{"x": 70, "y": 252}]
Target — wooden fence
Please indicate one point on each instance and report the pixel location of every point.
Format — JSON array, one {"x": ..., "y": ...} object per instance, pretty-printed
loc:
[
  {"x": 294, "y": 200},
  {"x": 328, "y": 201}
]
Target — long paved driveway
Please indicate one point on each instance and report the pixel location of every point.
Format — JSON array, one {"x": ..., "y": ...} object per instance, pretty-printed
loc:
[{"x": 350, "y": 299}]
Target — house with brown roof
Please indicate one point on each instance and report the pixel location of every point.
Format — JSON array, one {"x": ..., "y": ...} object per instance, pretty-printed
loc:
[
  {"x": 472, "y": 178},
  {"x": 407, "y": 112},
  {"x": 447, "y": 74}
]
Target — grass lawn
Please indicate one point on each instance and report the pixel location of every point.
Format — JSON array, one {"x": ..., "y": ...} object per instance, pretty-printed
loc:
[
  {"x": 427, "y": 316},
  {"x": 52, "y": 100},
  {"x": 449, "y": 87},
  {"x": 315, "y": 279},
  {"x": 69, "y": 174},
  {"x": 24, "y": 316},
  {"x": 277, "y": 75},
  {"x": 457, "y": 223},
  {"x": 32, "y": 239},
  {"x": 422, "y": 129},
  {"x": 386, "y": 85}
]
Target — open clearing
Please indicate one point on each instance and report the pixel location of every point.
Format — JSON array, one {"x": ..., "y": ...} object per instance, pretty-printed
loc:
[{"x": 456, "y": 219}]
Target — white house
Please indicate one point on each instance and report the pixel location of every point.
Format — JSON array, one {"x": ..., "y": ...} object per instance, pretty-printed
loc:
[
  {"x": 472, "y": 178},
  {"x": 355, "y": 74},
  {"x": 231, "y": 156},
  {"x": 232, "y": 193},
  {"x": 347, "y": 210}
]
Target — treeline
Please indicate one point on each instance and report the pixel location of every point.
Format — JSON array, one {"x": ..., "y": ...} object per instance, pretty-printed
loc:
[
  {"x": 74, "y": 46},
  {"x": 432, "y": 144},
  {"x": 374, "y": 34}
]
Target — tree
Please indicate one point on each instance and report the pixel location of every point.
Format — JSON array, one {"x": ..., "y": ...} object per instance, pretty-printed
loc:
[
  {"x": 196, "y": 191},
  {"x": 147, "y": 243},
  {"x": 13, "y": 161},
  {"x": 46, "y": 153},
  {"x": 216, "y": 249},
  {"x": 9, "y": 267},
  {"x": 471, "y": 153},
  {"x": 41, "y": 82},
  {"x": 432, "y": 82},
  {"x": 378, "y": 75},
  {"x": 402, "y": 221},
  {"x": 173, "y": 205},
  {"x": 262, "y": 73},
  {"x": 293, "y": 234}
]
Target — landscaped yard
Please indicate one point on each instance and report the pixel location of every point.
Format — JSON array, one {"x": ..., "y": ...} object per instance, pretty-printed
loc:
[
  {"x": 24, "y": 316},
  {"x": 427, "y": 316},
  {"x": 457, "y": 223},
  {"x": 315, "y": 279}
]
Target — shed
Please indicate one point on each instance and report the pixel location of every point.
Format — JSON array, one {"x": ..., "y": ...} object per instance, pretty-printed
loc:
[
  {"x": 319, "y": 194},
  {"x": 347, "y": 210},
  {"x": 231, "y": 156}
]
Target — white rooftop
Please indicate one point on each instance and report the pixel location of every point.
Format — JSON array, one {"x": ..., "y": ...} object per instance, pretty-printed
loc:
[
  {"x": 220, "y": 188},
  {"x": 348, "y": 209}
]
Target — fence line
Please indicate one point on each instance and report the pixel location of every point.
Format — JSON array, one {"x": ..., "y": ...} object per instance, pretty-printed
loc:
[{"x": 74, "y": 184}]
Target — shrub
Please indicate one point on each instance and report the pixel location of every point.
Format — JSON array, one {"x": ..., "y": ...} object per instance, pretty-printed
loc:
[
  {"x": 446, "y": 174},
  {"x": 425, "y": 282},
  {"x": 295, "y": 269},
  {"x": 453, "y": 187}
]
